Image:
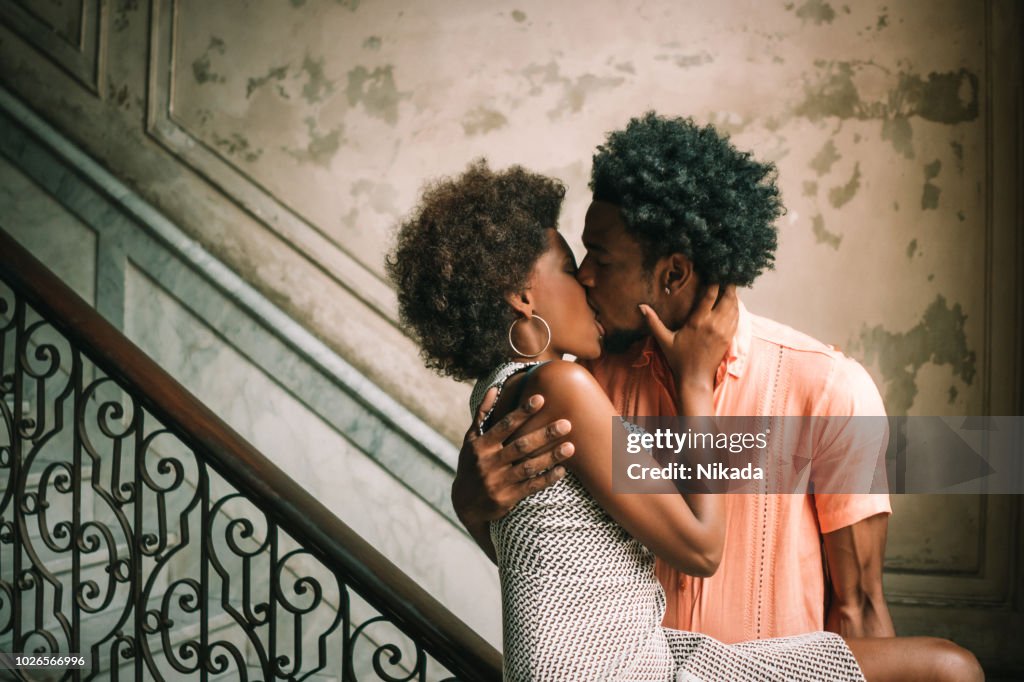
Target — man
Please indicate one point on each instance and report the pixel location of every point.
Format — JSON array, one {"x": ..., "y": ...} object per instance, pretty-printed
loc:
[{"x": 675, "y": 208}]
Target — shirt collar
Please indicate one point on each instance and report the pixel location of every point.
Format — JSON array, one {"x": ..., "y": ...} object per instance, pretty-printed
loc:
[{"x": 739, "y": 349}]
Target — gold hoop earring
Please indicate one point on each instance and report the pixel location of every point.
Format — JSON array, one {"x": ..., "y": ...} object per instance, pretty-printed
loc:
[{"x": 513, "y": 345}]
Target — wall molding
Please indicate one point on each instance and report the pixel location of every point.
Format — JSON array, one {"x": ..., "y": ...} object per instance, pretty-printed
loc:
[
  {"x": 82, "y": 56},
  {"x": 131, "y": 230},
  {"x": 240, "y": 187},
  {"x": 998, "y": 580}
]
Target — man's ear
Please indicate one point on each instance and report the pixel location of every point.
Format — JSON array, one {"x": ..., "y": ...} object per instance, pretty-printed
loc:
[{"x": 676, "y": 274}]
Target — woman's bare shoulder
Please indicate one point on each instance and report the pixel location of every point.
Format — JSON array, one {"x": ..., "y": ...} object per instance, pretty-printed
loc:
[
  {"x": 557, "y": 372},
  {"x": 566, "y": 384}
]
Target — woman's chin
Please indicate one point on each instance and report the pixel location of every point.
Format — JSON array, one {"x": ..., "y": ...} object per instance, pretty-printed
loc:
[{"x": 588, "y": 350}]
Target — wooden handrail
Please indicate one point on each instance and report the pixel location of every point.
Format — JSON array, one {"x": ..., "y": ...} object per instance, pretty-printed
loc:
[{"x": 287, "y": 503}]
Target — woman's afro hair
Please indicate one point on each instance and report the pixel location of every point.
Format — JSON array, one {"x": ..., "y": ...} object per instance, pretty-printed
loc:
[
  {"x": 685, "y": 189},
  {"x": 471, "y": 240}
]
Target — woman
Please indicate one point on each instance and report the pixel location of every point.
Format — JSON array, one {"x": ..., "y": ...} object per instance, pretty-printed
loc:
[{"x": 488, "y": 287}]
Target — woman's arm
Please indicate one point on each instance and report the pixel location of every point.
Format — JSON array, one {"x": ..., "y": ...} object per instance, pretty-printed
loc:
[
  {"x": 687, "y": 531},
  {"x": 695, "y": 352},
  {"x": 690, "y": 539}
]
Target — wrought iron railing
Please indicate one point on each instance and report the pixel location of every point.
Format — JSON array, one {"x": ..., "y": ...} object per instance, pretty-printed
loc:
[{"x": 140, "y": 531}]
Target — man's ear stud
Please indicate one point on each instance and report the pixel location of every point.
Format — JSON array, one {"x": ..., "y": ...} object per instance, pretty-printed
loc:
[{"x": 667, "y": 290}]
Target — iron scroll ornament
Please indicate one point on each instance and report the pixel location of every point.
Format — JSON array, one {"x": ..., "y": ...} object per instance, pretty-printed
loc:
[{"x": 118, "y": 540}]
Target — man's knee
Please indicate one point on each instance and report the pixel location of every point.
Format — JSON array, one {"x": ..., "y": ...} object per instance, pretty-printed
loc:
[{"x": 955, "y": 663}]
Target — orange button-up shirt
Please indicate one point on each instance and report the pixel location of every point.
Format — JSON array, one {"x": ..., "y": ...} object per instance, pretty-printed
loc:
[{"x": 770, "y": 582}]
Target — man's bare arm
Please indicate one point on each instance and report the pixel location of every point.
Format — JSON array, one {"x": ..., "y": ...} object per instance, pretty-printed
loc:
[
  {"x": 855, "y": 553},
  {"x": 493, "y": 476}
]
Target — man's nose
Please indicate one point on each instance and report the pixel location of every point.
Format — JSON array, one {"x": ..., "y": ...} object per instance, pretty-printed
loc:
[{"x": 585, "y": 273}]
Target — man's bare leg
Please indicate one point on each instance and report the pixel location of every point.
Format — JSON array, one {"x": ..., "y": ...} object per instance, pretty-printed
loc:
[{"x": 907, "y": 659}]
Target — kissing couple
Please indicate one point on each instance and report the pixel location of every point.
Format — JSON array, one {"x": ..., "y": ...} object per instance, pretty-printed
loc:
[{"x": 663, "y": 586}]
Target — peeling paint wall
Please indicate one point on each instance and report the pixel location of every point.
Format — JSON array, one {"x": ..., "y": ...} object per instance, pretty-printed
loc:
[
  {"x": 338, "y": 112},
  {"x": 290, "y": 137},
  {"x": 342, "y": 112}
]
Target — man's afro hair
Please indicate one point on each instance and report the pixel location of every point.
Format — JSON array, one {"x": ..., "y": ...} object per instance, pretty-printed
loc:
[{"x": 685, "y": 189}]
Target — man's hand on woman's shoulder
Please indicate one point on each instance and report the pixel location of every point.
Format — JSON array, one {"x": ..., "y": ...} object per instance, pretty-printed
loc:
[{"x": 493, "y": 476}]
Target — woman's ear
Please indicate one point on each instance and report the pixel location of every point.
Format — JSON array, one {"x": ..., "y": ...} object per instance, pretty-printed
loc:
[{"x": 521, "y": 302}]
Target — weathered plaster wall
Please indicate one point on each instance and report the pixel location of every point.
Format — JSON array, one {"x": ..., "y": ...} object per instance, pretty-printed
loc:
[
  {"x": 322, "y": 119},
  {"x": 874, "y": 122},
  {"x": 288, "y": 138}
]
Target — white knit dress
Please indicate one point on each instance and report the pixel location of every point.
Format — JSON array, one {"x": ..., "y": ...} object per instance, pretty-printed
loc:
[{"x": 580, "y": 602}]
